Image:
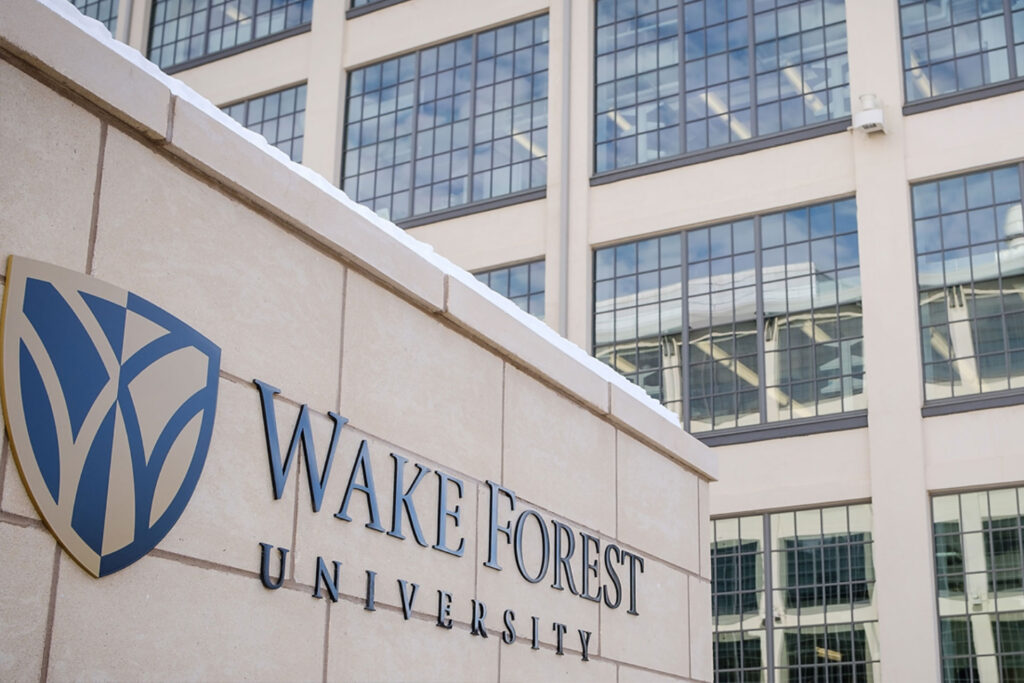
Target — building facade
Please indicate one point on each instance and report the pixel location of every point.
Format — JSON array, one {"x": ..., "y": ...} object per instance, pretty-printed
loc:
[{"x": 797, "y": 224}]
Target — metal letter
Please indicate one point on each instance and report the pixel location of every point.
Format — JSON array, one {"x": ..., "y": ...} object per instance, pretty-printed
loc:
[
  {"x": 589, "y": 566},
  {"x": 407, "y": 597},
  {"x": 362, "y": 464},
  {"x": 303, "y": 434},
  {"x": 562, "y": 561},
  {"x": 265, "y": 566},
  {"x": 403, "y": 500},
  {"x": 443, "y": 513},
  {"x": 479, "y": 614},
  {"x": 545, "y": 547},
  {"x": 609, "y": 567},
  {"x": 371, "y": 603},
  {"x": 508, "y": 636},
  {"x": 492, "y": 534},
  {"x": 330, "y": 583},
  {"x": 560, "y": 630},
  {"x": 536, "y": 636},
  {"x": 444, "y": 609},
  {"x": 584, "y": 643},
  {"x": 633, "y": 559}
]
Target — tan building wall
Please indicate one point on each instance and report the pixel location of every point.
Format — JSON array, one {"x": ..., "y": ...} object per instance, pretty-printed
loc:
[
  {"x": 897, "y": 462},
  {"x": 119, "y": 172}
]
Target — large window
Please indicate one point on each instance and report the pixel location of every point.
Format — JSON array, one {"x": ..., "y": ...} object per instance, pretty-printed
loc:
[
  {"x": 523, "y": 284},
  {"x": 677, "y": 77},
  {"x": 980, "y": 574},
  {"x": 182, "y": 31},
  {"x": 764, "y": 327},
  {"x": 793, "y": 597},
  {"x": 101, "y": 10},
  {"x": 970, "y": 271},
  {"x": 459, "y": 123},
  {"x": 953, "y": 45},
  {"x": 280, "y": 117}
]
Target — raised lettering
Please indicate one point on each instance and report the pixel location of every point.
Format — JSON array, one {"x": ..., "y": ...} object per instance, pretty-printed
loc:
[
  {"x": 407, "y": 597},
  {"x": 265, "y": 551},
  {"x": 303, "y": 435},
  {"x": 560, "y": 630},
  {"x": 589, "y": 567},
  {"x": 443, "y": 513},
  {"x": 609, "y": 567},
  {"x": 545, "y": 546},
  {"x": 371, "y": 602},
  {"x": 331, "y": 583},
  {"x": 444, "y": 609},
  {"x": 633, "y": 561},
  {"x": 562, "y": 561},
  {"x": 362, "y": 465},
  {"x": 494, "y": 530},
  {"x": 479, "y": 614},
  {"x": 585, "y": 643},
  {"x": 404, "y": 500},
  {"x": 508, "y": 636}
]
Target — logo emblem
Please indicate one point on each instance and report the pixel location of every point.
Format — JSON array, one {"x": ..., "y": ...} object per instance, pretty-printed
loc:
[{"x": 109, "y": 403}]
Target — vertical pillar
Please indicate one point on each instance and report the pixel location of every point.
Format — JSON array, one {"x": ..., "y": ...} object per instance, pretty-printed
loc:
[
  {"x": 905, "y": 585},
  {"x": 325, "y": 91}
]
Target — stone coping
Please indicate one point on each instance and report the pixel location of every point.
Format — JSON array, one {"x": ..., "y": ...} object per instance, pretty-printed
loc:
[{"x": 79, "y": 54}]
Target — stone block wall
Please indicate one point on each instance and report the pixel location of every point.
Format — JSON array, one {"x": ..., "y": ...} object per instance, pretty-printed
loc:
[{"x": 115, "y": 170}]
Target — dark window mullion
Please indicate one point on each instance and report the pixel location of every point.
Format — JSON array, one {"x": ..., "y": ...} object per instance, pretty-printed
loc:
[
  {"x": 752, "y": 66},
  {"x": 415, "y": 128},
  {"x": 684, "y": 290},
  {"x": 206, "y": 38},
  {"x": 681, "y": 29},
  {"x": 1010, "y": 47},
  {"x": 762, "y": 391},
  {"x": 471, "y": 135}
]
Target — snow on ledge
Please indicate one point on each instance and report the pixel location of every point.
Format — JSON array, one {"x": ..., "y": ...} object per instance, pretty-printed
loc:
[{"x": 99, "y": 32}]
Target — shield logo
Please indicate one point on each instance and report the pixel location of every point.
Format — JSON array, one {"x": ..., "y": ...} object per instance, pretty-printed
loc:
[{"x": 109, "y": 402}]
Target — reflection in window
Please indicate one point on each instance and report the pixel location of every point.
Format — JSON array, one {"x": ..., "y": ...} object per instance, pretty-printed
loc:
[
  {"x": 803, "y": 580},
  {"x": 185, "y": 30},
  {"x": 280, "y": 117},
  {"x": 969, "y": 238},
  {"x": 772, "y": 310},
  {"x": 980, "y": 574},
  {"x": 744, "y": 70},
  {"x": 524, "y": 284},
  {"x": 461, "y": 122},
  {"x": 952, "y": 45},
  {"x": 101, "y": 10}
]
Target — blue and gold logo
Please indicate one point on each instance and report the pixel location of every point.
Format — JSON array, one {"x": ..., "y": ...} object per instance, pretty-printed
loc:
[{"x": 109, "y": 402}]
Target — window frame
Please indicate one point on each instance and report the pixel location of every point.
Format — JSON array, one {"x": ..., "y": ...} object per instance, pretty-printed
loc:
[
  {"x": 470, "y": 207},
  {"x": 683, "y": 159},
  {"x": 221, "y": 54},
  {"x": 1014, "y": 83},
  {"x": 354, "y": 11},
  {"x": 248, "y": 101},
  {"x": 981, "y": 400},
  {"x": 817, "y": 424}
]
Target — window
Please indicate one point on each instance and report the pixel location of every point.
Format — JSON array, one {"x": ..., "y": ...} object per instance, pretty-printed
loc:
[
  {"x": 524, "y": 284},
  {"x": 743, "y": 68},
  {"x": 793, "y": 596},
  {"x": 772, "y": 315},
  {"x": 969, "y": 238},
  {"x": 280, "y": 117},
  {"x": 980, "y": 574},
  {"x": 953, "y": 45},
  {"x": 452, "y": 125},
  {"x": 101, "y": 10},
  {"x": 183, "y": 31}
]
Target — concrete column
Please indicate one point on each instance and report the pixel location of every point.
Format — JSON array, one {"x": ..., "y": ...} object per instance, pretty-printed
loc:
[
  {"x": 135, "y": 30},
  {"x": 325, "y": 91},
  {"x": 903, "y": 556}
]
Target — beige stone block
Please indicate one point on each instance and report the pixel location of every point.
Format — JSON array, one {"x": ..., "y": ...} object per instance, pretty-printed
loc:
[
  {"x": 704, "y": 515},
  {"x": 557, "y": 454},
  {"x": 658, "y": 636},
  {"x": 655, "y": 424},
  {"x": 73, "y": 55},
  {"x": 382, "y": 646},
  {"x": 15, "y": 498},
  {"x": 233, "y": 507},
  {"x": 507, "y": 589},
  {"x": 25, "y": 574},
  {"x": 161, "y": 619},
  {"x": 411, "y": 380},
  {"x": 657, "y": 504},
  {"x": 486, "y": 318},
  {"x": 50, "y": 148},
  {"x": 701, "y": 663},
  {"x": 361, "y": 549},
  {"x": 520, "y": 663},
  {"x": 628, "y": 674},
  {"x": 288, "y": 193},
  {"x": 263, "y": 295}
]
